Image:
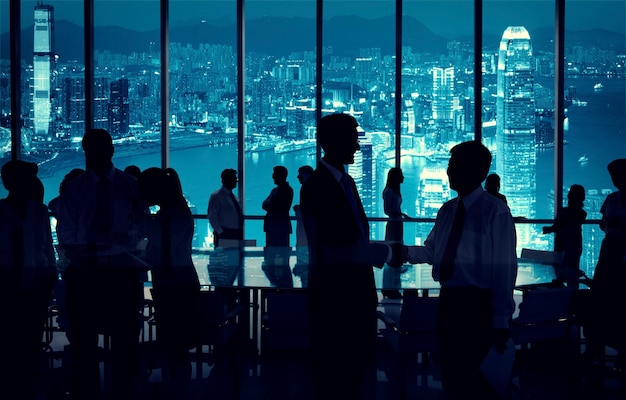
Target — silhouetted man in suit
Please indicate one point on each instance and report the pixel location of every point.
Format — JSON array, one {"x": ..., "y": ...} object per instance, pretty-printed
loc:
[
  {"x": 342, "y": 293},
  {"x": 472, "y": 250},
  {"x": 96, "y": 228},
  {"x": 276, "y": 224}
]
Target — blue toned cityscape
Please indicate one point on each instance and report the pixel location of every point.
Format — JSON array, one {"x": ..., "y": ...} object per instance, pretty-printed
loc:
[{"x": 358, "y": 77}]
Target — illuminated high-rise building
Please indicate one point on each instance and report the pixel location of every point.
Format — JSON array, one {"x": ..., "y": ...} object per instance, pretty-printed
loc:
[
  {"x": 43, "y": 67},
  {"x": 364, "y": 173},
  {"x": 443, "y": 93},
  {"x": 516, "y": 155},
  {"x": 118, "y": 108},
  {"x": 433, "y": 191}
]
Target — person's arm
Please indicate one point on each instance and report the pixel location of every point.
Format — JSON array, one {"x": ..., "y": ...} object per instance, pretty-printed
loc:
[
  {"x": 213, "y": 212},
  {"x": 425, "y": 253}
]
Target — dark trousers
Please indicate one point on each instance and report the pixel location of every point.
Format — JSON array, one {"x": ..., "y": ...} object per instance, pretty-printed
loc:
[
  {"x": 465, "y": 336},
  {"x": 343, "y": 348},
  {"x": 24, "y": 316},
  {"x": 106, "y": 300}
]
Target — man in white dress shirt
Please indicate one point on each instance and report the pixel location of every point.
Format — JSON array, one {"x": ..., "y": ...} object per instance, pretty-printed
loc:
[
  {"x": 477, "y": 267},
  {"x": 224, "y": 210}
]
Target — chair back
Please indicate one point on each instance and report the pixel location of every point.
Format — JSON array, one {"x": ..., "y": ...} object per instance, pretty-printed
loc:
[
  {"x": 544, "y": 256},
  {"x": 418, "y": 314},
  {"x": 545, "y": 313}
]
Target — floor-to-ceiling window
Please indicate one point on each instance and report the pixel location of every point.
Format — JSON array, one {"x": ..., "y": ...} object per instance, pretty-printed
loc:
[
  {"x": 438, "y": 102},
  {"x": 595, "y": 92},
  {"x": 280, "y": 98},
  {"x": 203, "y": 99},
  {"x": 5, "y": 85},
  {"x": 359, "y": 56},
  {"x": 359, "y": 78}
]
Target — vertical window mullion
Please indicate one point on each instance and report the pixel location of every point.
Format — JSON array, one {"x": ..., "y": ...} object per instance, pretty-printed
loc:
[
  {"x": 165, "y": 84},
  {"x": 559, "y": 106}
]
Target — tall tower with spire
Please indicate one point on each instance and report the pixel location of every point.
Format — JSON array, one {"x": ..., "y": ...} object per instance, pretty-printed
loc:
[
  {"x": 516, "y": 153},
  {"x": 43, "y": 73}
]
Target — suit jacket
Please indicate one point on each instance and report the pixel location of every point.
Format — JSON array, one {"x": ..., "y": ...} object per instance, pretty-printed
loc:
[
  {"x": 341, "y": 259},
  {"x": 278, "y": 205}
]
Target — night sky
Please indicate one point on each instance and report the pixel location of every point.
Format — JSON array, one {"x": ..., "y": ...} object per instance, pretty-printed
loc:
[{"x": 446, "y": 18}]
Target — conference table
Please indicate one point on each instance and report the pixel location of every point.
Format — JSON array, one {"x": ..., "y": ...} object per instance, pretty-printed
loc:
[
  {"x": 275, "y": 268},
  {"x": 252, "y": 272}
]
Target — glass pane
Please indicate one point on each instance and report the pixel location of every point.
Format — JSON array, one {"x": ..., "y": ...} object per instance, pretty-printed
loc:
[
  {"x": 203, "y": 100},
  {"x": 53, "y": 62},
  {"x": 5, "y": 88},
  {"x": 438, "y": 102},
  {"x": 518, "y": 84},
  {"x": 280, "y": 99},
  {"x": 359, "y": 78},
  {"x": 127, "y": 83},
  {"x": 596, "y": 113}
]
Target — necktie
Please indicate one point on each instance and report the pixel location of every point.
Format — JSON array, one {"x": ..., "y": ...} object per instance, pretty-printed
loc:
[
  {"x": 447, "y": 261},
  {"x": 102, "y": 218},
  {"x": 356, "y": 211}
]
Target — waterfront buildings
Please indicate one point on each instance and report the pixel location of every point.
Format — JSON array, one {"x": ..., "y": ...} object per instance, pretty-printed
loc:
[{"x": 516, "y": 153}]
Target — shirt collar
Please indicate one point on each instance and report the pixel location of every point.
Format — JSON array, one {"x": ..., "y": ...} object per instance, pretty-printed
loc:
[
  {"x": 472, "y": 197},
  {"x": 108, "y": 175},
  {"x": 337, "y": 174}
]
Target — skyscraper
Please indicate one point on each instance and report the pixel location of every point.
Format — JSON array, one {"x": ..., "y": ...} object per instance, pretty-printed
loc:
[
  {"x": 433, "y": 191},
  {"x": 43, "y": 66},
  {"x": 516, "y": 155},
  {"x": 443, "y": 92},
  {"x": 118, "y": 108}
]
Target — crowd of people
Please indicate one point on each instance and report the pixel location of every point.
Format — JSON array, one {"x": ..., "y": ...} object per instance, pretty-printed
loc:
[{"x": 105, "y": 215}]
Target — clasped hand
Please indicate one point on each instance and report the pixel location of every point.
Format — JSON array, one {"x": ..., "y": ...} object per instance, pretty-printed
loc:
[{"x": 399, "y": 255}]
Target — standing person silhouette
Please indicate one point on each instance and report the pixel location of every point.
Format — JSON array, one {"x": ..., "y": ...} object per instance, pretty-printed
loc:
[
  {"x": 27, "y": 275},
  {"x": 176, "y": 288},
  {"x": 341, "y": 291},
  {"x": 472, "y": 250},
  {"x": 607, "y": 293},
  {"x": 276, "y": 224},
  {"x": 492, "y": 186},
  {"x": 224, "y": 211},
  {"x": 96, "y": 228},
  {"x": 301, "y": 268},
  {"x": 394, "y": 230},
  {"x": 568, "y": 236}
]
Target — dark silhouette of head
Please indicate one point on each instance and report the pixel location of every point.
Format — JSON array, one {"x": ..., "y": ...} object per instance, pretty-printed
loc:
[
  {"x": 98, "y": 147},
  {"x": 280, "y": 174},
  {"x": 617, "y": 170},
  {"x": 159, "y": 186},
  {"x": 576, "y": 196},
  {"x": 133, "y": 170},
  {"x": 468, "y": 166},
  {"x": 492, "y": 183},
  {"x": 20, "y": 180},
  {"x": 229, "y": 178},
  {"x": 304, "y": 172},
  {"x": 338, "y": 137},
  {"x": 394, "y": 179}
]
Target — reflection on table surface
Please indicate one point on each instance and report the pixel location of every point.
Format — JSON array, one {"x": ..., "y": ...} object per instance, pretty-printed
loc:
[{"x": 258, "y": 267}]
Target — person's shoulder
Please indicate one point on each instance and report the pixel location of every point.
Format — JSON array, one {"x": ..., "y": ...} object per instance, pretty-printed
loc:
[{"x": 495, "y": 203}]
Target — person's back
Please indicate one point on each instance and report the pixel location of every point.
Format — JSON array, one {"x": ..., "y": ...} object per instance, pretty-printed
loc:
[{"x": 97, "y": 230}]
